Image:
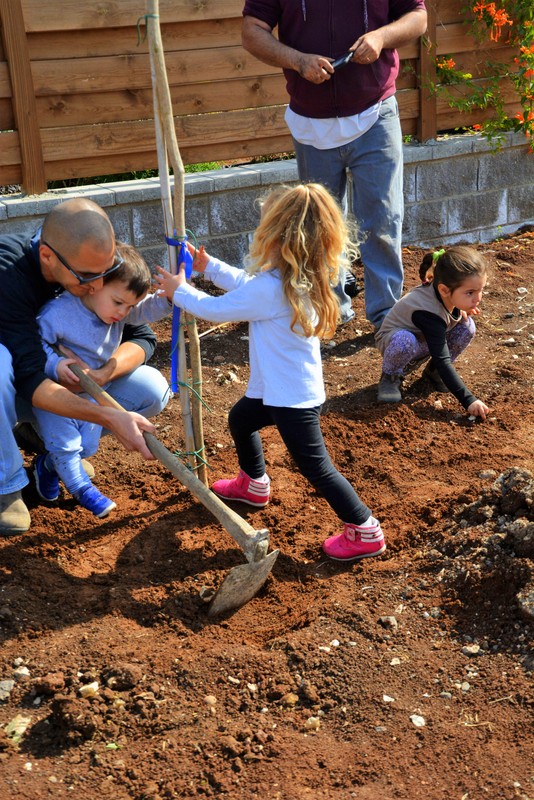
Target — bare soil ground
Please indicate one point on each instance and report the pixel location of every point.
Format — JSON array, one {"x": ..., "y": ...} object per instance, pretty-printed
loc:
[{"x": 320, "y": 685}]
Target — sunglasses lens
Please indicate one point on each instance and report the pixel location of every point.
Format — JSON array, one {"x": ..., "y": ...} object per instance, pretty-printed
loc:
[{"x": 117, "y": 263}]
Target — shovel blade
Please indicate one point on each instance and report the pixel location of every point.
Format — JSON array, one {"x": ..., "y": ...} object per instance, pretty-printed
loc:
[{"x": 241, "y": 584}]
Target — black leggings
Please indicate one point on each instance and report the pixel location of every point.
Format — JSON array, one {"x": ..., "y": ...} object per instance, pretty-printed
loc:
[{"x": 300, "y": 428}]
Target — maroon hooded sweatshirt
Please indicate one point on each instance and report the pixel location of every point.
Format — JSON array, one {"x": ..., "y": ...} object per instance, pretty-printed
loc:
[{"x": 330, "y": 28}]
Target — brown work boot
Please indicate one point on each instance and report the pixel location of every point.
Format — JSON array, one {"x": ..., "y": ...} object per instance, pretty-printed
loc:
[{"x": 14, "y": 516}]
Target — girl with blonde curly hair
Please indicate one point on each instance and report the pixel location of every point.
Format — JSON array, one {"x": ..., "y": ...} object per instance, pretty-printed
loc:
[{"x": 285, "y": 293}]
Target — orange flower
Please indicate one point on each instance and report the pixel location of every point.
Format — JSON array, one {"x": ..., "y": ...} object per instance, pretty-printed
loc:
[{"x": 498, "y": 18}]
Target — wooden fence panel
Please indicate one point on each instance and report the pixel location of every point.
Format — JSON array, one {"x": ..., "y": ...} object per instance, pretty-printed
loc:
[
  {"x": 450, "y": 11},
  {"x": 24, "y": 108},
  {"x": 91, "y": 95},
  {"x": 126, "y": 106},
  {"x": 75, "y": 15},
  {"x": 140, "y": 136},
  {"x": 132, "y": 147},
  {"x": 93, "y": 75},
  {"x": 176, "y": 36}
]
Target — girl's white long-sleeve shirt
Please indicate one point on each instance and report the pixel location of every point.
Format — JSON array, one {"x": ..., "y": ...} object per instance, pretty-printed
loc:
[{"x": 285, "y": 367}]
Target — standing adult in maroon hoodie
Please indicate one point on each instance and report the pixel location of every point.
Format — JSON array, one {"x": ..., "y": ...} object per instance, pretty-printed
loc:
[{"x": 346, "y": 118}]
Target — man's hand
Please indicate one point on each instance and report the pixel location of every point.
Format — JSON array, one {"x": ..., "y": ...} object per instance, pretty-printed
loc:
[
  {"x": 314, "y": 68},
  {"x": 128, "y": 427},
  {"x": 368, "y": 47},
  {"x": 258, "y": 39}
]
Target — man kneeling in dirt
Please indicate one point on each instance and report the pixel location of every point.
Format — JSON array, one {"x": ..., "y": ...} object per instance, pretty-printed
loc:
[{"x": 73, "y": 251}]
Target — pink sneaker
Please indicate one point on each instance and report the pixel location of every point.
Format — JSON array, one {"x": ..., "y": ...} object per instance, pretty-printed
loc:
[
  {"x": 245, "y": 489},
  {"x": 356, "y": 542}
]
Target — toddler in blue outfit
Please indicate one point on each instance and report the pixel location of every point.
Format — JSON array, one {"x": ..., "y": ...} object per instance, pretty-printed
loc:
[{"x": 88, "y": 331}]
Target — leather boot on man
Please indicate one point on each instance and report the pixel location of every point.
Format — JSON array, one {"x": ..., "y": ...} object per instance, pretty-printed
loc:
[{"x": 14, "y": 516}]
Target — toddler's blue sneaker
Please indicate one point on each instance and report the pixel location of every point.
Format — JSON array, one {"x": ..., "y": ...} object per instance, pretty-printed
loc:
[
  {"x": 46, "y": 480},
  {"x": 94, "y": 501}
]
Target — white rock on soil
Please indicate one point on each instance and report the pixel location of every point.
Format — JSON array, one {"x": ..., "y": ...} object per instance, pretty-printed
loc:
[{"x": 418, "y": 721}]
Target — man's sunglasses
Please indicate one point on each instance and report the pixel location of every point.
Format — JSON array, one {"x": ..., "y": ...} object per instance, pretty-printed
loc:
[{"x": 85, "y": 277}]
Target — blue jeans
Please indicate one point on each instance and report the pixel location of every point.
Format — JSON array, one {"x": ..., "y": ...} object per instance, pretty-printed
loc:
[
  {"x": 300, "y": 428},
  {"x": 13, "y": 476},
  {"x": 375, "y": 162},
  {"x": 144, "y": 390}
]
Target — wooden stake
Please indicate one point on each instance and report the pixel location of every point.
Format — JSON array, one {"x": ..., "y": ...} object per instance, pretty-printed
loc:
[{"x": 174, "y": 218}]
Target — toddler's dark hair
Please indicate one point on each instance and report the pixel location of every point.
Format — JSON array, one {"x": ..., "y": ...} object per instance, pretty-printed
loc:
[
  {"x": 133, "y": 271},
  {"x": 453, "y": 266}
]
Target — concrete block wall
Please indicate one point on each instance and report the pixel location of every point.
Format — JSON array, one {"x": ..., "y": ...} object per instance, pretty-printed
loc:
[
  {"x": 458, "y": 189},
  {"x": 463, "y": 189}
]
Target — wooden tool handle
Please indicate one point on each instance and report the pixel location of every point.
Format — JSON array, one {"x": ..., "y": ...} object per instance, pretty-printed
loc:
[{"x": 254, "y": 544}]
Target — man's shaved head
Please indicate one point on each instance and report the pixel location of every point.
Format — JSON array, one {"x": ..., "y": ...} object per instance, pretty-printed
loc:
[{"x": 75, "y": 222}]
